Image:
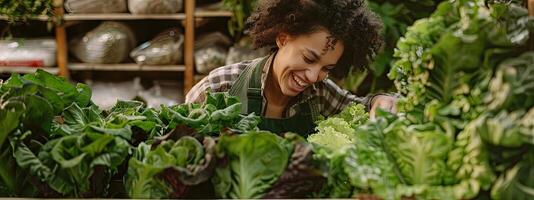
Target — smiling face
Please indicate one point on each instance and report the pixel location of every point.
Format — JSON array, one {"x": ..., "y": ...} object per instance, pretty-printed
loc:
[{"x": 303, "y": 60}]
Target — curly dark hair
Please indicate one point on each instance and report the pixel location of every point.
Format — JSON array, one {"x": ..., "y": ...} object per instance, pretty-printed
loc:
[{"x": 349, "y": 21}]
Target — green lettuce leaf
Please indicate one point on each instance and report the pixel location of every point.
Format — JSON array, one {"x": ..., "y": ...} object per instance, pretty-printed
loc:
[{"x": 255, "y": 160}]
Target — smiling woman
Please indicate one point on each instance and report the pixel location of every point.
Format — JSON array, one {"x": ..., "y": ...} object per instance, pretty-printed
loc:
[{"x": 310, "y": 39}]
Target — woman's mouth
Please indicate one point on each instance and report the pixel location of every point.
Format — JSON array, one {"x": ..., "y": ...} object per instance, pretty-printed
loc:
[{"x": 299, "y": 83}]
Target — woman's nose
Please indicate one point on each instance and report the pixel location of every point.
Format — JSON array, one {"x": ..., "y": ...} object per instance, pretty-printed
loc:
[{"x": 313, "y": 74}]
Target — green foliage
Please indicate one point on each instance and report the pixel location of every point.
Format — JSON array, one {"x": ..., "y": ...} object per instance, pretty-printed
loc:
[
  {"x": 24, "y": 10},
  {"x": 445, "y": 61},
  {"x": 145, "y": 177},
  {"x": 337, "y": 131},
  {"x": 217, "y": 112},
  {"x": 29, "y": 104},
  {"x": 56, "y": 143},
  {"x": 255, "y": 161},
  {"x": 241, "y": 10},
  {"x": 466, "y": 116}
]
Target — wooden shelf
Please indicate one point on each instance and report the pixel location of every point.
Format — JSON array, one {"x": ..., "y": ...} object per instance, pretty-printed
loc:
[
  {"x": 187, "y": 18},
  {"x": 123, "y": 16},
  {"x": 125, "y": 67},
  {"x": 206, "y": 13},
  {"x": 26, "y": 70}
]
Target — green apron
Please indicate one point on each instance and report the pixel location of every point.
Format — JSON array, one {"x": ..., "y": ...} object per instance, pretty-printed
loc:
[{"x": 248, "y": 88}]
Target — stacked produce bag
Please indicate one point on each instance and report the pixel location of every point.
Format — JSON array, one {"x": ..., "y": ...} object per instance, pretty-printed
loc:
[
  {"x": 95, "y": 6},
  {"x": 109, "y": 43},
  {"x": 164, "y": 49}
]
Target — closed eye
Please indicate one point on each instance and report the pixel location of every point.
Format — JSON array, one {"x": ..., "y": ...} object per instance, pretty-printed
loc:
[
  {"x": 308, "y": 60},
  {"x": 328, "y": 68}
]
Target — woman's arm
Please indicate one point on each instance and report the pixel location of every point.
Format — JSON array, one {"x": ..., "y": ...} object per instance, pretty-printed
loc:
[
  {"x": 218, "y": 80},
  {"x": 385, "y": 102},
  {"x": 335, "y": 99},
  {"x": 197, "y": 93}
]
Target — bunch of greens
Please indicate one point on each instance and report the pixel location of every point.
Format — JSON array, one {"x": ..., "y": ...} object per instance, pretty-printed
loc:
[
  {"x": 465, "y": 126},
  {"x": 467, "y": 97},
  {"x": 338, "y": 131},
  {"x": 219, "y": 111},
  {"x": 334, "y": 141},
  {"x": 56, "y": 143},
  {"x": 507, "y": 128},
  {"x": 63, "y": 143},
  {"x": 255, "y": 160},
  {"x": 302, "y": 176},
  {"x": 446, "y": 61},
  {"x": 144, "y": 123},
  {"x": 28, "y": 105},
  {"x": 169, "y": 168}
]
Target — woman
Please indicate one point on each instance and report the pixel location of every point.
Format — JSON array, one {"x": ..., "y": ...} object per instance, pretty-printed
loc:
[{"x": 311, "y": 39}]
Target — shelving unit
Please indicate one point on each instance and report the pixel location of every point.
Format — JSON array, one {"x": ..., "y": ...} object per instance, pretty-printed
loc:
[
  {"x": 38, "y": 18},
  {"x": 123, "y": 16},
  {"x": 186, "y": 19},
  {"x": 125, "y": 67},
  {"x": 204, "y": 13},
  {"x": 25, "y": 70}
]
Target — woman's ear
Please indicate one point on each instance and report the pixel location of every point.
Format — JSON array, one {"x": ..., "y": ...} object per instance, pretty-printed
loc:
[{"x": 281, "y": 39}]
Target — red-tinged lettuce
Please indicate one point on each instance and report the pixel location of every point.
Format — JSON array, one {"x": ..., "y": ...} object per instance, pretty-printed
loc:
[{"x": 302, "y": 176}]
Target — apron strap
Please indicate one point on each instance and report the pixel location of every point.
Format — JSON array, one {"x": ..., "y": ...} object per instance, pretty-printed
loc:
[
  {"x": 255, "y": 99},
  {"x": 240, "y": 87}
]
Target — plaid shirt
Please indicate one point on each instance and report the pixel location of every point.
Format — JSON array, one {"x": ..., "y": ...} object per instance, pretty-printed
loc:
[{"x": 332, "y": 98}]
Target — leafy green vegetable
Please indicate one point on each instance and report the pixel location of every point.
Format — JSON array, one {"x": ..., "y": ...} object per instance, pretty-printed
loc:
[
  {"x": 302, "y": 176},
  {"x": 333, "y": 133},
  {"x": 420, "y": 152},
  {"x": 354, "y": 114},
  {"x": 56, "y": 143},
  {"x": 512, "y": 86},
  {"x": 464, "y": 103},
  {"x": 334, "y": 140},
  {"x": 368, "y": 164},
  {"x": 155, "y": 173},
  {"x": 29, "y": 104},
  {"x": 219, "y": 111},
  {"x": 517, "y": 182},
  {"x": 255, "y": 160},
  {"x": 338, "y": 131},
  {"x": 67, "y": 163}
]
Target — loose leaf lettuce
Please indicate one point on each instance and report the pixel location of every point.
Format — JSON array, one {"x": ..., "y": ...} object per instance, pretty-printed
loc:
[
  {"x": 165, "y": 171},
  {"x": 254, "y": 161}
]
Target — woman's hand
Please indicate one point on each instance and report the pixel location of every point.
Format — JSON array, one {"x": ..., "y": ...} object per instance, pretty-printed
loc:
[{"x": 384, "y": 102}]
